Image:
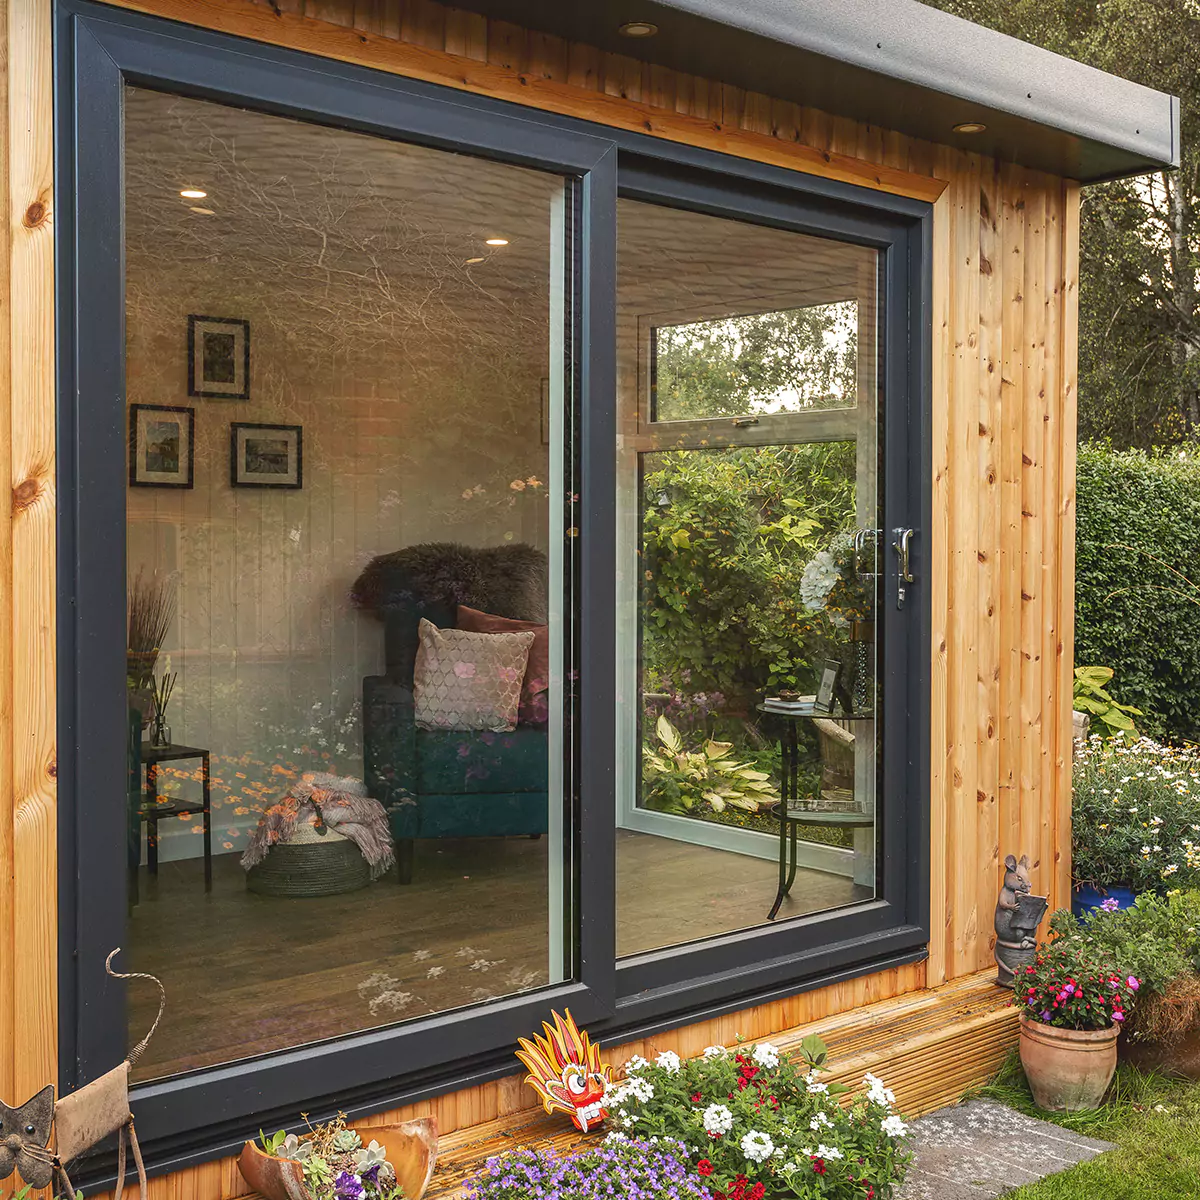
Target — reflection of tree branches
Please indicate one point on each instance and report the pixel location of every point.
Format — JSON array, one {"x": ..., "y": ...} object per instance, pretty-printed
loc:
[
  {"x": 1191, "y": 594},
  {"x": 349, "y": 261}
]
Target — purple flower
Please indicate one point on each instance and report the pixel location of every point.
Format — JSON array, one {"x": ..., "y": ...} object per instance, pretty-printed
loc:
[
  {"x": 348, "y": 1187},
  {"x": 1111, "y": 904}
]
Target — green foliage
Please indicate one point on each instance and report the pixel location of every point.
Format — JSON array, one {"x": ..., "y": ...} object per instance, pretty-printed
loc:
[
  {"x": 746, "y": 364},
  {"x": 1139, "y": 335},
  {"x": 726, "y": 537},
  {"x": 1090, "y": 696},
  {"x": 272, "y": 1143},
  {"x": 683, "y": 781},
  {"x": 1157, "y": 940},
  {"x": 1137, "y": 607},
  {"x": 764, "y": 1125},
  {"x": 1135, "y": 816}
]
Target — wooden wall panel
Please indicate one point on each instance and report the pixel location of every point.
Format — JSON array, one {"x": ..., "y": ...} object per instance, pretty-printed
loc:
[{"x": 999, "y": 550}]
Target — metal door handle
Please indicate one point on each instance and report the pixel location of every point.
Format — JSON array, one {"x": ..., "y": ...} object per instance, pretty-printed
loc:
[{"x": 903, "y": 537}]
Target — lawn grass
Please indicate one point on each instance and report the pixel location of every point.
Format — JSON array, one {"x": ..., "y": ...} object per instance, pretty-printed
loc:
[{"x": 1154, "y": 1121}]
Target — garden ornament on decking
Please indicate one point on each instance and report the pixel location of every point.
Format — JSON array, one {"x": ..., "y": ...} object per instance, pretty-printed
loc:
[
  {"x": 79, "y": 1121},
  {"x": 566, "y": 1072},
  {"x": 1018, "y": 914}
]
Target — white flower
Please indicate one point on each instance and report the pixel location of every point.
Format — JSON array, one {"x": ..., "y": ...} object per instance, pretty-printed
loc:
[
  {"x": 893, "y": 1126},
  {"x": 669, "y": 1061},
  {"x": 717, "y": 1119},
  {"x": 640, "y": 1089},
  {"x": 816, "y": 1089},
  {"x": 757, "y": 1147},
  {"x": 824, "y": 1151},
  {"x": 636, "y": 1063},
  {"x": 617, "y": 1136},
  {"x": 714, "y": 1052},
  {"x": 818, "y": 1120},
  {"x": 766, "y": 1055},
  {"x": 876, "y": 1092}
]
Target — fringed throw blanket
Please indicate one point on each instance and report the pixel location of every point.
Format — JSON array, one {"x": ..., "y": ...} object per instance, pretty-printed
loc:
[{"x": 322, "y": 801}]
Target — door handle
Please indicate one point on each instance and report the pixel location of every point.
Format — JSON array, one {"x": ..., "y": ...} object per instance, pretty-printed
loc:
[{"x": 904, "y": 571}]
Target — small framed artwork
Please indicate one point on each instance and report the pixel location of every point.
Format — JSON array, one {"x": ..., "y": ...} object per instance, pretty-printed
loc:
[
  {"x": 161, "y": 446},
  {"x": 219, "y": 357},
  {"x": 266, "y": 455},
  {"x": 828, "y": 686}
]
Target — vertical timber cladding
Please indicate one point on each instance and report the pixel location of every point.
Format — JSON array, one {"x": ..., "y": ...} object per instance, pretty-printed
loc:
[{"x": 999, "y": 554}]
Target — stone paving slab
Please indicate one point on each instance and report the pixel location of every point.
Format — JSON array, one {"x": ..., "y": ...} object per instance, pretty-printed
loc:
[{"x": 981, "y": 1149}]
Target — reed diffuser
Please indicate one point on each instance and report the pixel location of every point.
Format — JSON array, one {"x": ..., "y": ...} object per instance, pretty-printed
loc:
[
  {"x": 161, "y": 689},
  {"x": 152, "y": 604}
]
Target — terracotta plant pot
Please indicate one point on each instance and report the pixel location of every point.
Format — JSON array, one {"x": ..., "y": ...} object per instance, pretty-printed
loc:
[
  {"x": 411, "y": 1148},
  {"x": 1068, "y": 1069}
]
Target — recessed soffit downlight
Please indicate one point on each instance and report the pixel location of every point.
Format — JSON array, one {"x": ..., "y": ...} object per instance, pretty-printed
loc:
[
  {"x": 637, "y": 29},
  {"x": 970, "y": 127},
  {"x": 496, "y": 241},
  {"x": 193, "y": 193}
]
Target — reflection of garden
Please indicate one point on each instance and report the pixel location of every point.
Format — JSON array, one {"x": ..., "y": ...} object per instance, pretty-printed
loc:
[{"x": 749, "y": 585}]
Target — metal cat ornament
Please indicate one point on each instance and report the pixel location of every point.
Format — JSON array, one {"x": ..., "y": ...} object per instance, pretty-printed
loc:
[
  {"x": 566, "y": 1072},
  {"x": 40, "y": 1137}
]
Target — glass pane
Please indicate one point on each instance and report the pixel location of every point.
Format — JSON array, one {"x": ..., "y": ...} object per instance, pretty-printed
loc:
[
  {"x": 748, "y": 586},
  {"x": 348, "y": 397},
  {"x": 784, "y": 361}
]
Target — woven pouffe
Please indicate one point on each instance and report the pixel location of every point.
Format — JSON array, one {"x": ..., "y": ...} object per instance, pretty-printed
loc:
[{"x": 311, "y": 864}]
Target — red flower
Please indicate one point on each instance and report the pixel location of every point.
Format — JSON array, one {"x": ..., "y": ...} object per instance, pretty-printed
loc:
[
  {"x": 695, "y": 1097},
  {"x": 756, "y": 1192},
  {"x": 704, "y": 1167},
  {"x": 819, "y": 1165}
]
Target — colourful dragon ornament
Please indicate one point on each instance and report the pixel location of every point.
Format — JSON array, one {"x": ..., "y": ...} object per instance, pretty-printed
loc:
[{"x": 566, "y": 1071}]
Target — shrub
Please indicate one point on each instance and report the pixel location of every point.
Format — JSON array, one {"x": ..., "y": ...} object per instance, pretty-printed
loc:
[
  {"x": 1137, "y": 606},
  {"x": 1158, "y": 942},
  {"x": 1135, "y": 815},
  {"x": 760, "y": 1125}
]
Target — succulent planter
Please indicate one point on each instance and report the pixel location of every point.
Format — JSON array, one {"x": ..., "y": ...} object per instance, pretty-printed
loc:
[
  {"x": 1068, "y": 1069},
  {"x": 411, "y": 1148},
  {"x": 1084, "y": 898}
]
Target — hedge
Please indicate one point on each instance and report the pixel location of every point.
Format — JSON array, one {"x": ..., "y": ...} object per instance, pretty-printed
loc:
[{"x": 1138, "y": 523}]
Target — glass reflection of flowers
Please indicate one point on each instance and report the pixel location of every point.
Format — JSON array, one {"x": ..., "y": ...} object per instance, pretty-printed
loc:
[{"x": 834, "y": 581}]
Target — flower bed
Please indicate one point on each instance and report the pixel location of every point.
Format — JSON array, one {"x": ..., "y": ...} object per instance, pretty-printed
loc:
[{"x": 742, "y": 1124}]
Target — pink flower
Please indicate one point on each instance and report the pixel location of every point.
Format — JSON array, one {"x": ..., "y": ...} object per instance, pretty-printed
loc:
[
  {"x": 1133, "y": 983},
  {"x": 1118, "y": 1015}
]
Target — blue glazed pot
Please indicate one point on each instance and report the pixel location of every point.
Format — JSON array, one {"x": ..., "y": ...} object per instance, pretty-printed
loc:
[{"x": 1085, "y": 898}]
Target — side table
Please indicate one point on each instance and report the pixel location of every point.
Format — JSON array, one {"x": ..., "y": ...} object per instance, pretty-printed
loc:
[
  {"x": 154, "y": 811},
  {"x": 789, "y": 811}
]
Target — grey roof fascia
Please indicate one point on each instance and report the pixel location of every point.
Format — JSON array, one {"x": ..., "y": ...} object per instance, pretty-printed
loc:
[{"x": 893, "y": 63}]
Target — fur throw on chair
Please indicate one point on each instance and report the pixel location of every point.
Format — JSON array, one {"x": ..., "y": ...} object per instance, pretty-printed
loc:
[
  {"x": 341, "y": 804},
  {"x": 507, "y": 581}
]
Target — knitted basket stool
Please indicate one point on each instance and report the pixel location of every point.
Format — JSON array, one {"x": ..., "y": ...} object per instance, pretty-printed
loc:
[{"x": 311, "y": 864}]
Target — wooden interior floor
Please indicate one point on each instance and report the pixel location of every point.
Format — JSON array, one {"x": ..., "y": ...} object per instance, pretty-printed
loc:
[{"x": 248, "y": 974}]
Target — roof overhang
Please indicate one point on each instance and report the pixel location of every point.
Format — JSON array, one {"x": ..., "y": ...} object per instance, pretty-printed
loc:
[{"x": 894, "y": 63}]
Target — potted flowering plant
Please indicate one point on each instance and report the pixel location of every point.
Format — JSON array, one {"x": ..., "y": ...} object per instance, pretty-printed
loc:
[
  {"x": 1074, "y": 998},
  {"x": 759, "y": 1126}
]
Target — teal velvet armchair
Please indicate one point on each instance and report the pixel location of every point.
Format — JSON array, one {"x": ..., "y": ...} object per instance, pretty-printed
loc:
[{"x": 448, "y": 783}]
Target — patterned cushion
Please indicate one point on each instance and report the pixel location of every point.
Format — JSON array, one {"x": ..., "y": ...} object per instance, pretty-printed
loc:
[{"x": 468, "y": 680}]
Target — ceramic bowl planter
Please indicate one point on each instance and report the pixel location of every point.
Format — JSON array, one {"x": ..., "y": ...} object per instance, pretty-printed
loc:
[
  {"x": 411, "y": 1149},
  {"x": 1068, "y": 1069},
  {"x": 1084, "y": 898}
]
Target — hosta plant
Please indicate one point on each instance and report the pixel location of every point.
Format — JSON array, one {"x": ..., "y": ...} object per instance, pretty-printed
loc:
[
  {"x": 760, "y": 1126},
  {"x": 679, "y": 780}
]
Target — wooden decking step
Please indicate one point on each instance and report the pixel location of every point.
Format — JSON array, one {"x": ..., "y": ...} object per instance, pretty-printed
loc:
[{"x": 929, "y": 1047}]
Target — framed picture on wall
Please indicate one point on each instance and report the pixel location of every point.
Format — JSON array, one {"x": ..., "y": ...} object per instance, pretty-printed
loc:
[
  {"x": 161, "y": 446},
  {"x": 219, "y": 357},
  {"x": 266, "y": 455}
]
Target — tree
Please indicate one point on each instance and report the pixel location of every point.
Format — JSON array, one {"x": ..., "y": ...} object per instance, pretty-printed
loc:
[{"x": 1139, "y": 345}]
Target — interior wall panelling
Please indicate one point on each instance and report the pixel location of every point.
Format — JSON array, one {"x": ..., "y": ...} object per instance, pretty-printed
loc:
[{"x": 999, "y": 551}]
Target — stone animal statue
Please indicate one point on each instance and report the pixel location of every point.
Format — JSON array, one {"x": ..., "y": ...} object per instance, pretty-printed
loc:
[
  {"x": 41, "y": 1137},
  {"x": 1018, "y": 914}
]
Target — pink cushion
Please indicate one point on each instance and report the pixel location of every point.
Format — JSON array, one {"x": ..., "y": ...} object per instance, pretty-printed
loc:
[{"x": 535, "y": 689}]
